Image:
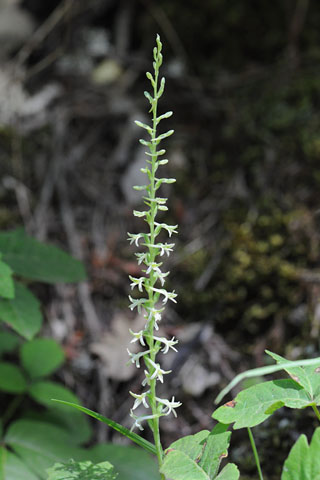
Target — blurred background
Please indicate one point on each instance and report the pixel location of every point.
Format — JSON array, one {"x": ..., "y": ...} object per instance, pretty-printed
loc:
[{"x": 243, "y": 80}]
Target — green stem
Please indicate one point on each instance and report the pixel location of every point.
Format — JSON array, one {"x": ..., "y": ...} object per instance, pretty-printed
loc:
[
  {"x": 316, "y": 411},
  {"x": 152, "y": 280},
  {"x": 12, "y": 407},
  {"x": 255, "y": 453}
]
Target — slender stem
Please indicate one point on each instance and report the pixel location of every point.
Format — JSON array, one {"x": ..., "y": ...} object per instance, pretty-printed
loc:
[
  {"x": 316, "y": 411},
  {"x": 255, "y": 453},
  {"x": 152, "y": 280},
  {"x": 12, "y": 407}
]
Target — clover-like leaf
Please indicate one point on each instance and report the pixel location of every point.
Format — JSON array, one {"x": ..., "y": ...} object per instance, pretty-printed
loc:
[
  {"x": 6, "y": 281},
  {"x": 303, "y": 462},
  {"x": 306, "y": 376},
  {"x": 22, "y": 312},
  {"x": 198, "y": 457},
  {"x": 255, "y": 404}
]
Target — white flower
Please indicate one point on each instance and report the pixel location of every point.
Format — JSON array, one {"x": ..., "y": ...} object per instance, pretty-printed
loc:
[
  {"x": 142, "y": 257},
  {"x": 169, "y": 406},
  {"x": 137, "y": 336},
  {"x": 138, "y": 213},
  {"x": 137, "y": 282},
  {"x": 134, "y": 237},
  {"x": 166, "y": 295},
  {"x": 155, "y": 315},
  {"x": 142, "y": 398},
  {"x": 157, "y": 373},
  {"x": 170, "y": 228},
  {"x": 159, "y": 274},
  {"x": 137, "y": 303},
  {"x": 138, "y": 420},
  {"x": 135, "y": 357},
  {"x": 167, "y": 343},
  {"x": 163, "y": 247}
]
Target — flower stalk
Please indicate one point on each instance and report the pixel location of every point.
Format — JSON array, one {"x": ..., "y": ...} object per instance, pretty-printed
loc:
[{"x": 150, "y": 287}]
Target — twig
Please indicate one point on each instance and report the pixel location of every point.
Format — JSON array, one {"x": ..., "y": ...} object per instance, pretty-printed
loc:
[{"x": 43, "y": 31}]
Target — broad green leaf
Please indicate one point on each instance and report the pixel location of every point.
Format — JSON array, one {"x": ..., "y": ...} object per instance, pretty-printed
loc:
[
  {"x": 258, "y": 372},
  {"x": 216, "y": 449},
  {"x": 116, "y": 426},
  {"x": 8, "y": 342},
  {"x": 40, "y": 445},
  {"x": 75, "y": 424},
  {"x": 131, "y": 463},
  {"x": 31, "y": 259},
  {"x": 6, "y": 281},
  {"x": 22, "y": 312},
  {"x": 189, "y": 459},
  {"x": 303, "y": 462},
  {"x": 308, "y": 377},
  {"x": 41, "y": 357},
  {"x": 82, "y": 471},
  {"x": 178, "y": 466},
  {"x": 13, "y": 468},
  {"x": 43, "y": 392},
  {"x": 73, "y": 420},
  {"x": 229, "y": 472},
  {"x": 255, "y": 404},
  {"x": 11, "y": 378}
]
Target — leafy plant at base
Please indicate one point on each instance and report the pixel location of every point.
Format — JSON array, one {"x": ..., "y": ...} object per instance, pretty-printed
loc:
[
  {"x": 303, "y": 462},
  {"x": 257, "y": 403},
  {"x": 23, "y": 256}
]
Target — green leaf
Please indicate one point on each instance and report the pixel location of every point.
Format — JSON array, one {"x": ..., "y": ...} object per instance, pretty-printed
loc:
[
  {"x": 306, "y": 376},
  {"x": 303, "y": 462},
  {"x": 6, "y": 281},
  {"x": 255, "y": 404},
  {"x": 257, "y": 372},
  {"x": 40, "y": 445},
  {"x": 13, "y": 468},
  {"x": 31, "y": 259},
  {"x": 198, "y": 457},
  {"x": 73, "y": 421},
  {"x": 22, "y": 312},
  {"x": 178, "y": 466},
  {"x": 116, "y": 426},
  {"x": 11, "y": 378},
  {"x": 41, "y": 357},
  {"x": 131, "y": 463},
  {"x": 82, "y": 471},
  {"x": 8, "y": 342},
  {"x": 229, "y": 472},
  {"x": 43, "y": 392}
]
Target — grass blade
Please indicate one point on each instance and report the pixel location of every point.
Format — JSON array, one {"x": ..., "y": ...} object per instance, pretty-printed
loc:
[{"x": 116, "y": 426}]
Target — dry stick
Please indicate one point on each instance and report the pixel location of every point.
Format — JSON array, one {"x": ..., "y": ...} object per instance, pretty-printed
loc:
[
  {"x": 76, "y": 249},
  {"x": 43, "y": 31}
]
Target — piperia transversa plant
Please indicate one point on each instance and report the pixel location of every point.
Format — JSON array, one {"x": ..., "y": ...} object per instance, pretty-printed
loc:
[{"x": 152, "y": 283}]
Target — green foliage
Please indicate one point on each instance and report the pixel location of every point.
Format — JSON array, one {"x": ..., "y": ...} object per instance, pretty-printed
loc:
[
  {"x": 22, "y": 312},
  {"x": 149, "y": 447},
  {"x": 130, "y": 463},
  {"x": 25, "y": 257},
  {"x": 82, "y": 471},
  {"x": 198, "y": 457},
  {"x": 12, "y": 379},
  {"x": 41, "y": 357},
  {"x": 25, "y": 441},
  {"x": 303, "y": 462},
  {"x": 37, "y": 261},
  {"x": 255, "y": 404},
  {"x": 6, "y": 281}
]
